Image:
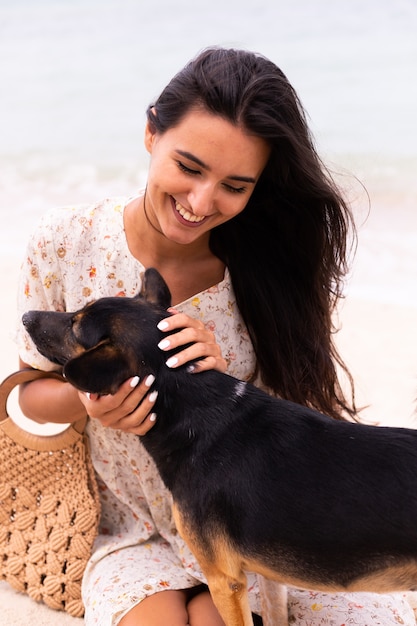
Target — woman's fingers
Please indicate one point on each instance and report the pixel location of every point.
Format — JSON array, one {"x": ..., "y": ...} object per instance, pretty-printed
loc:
[
  {"x": 180, "y": 321},
  {"x": 208, "y": 355},
  {"x": 142, "y": 418},
  {"x": 201, "y": 340},
  {"x": 129, "y": 409}
]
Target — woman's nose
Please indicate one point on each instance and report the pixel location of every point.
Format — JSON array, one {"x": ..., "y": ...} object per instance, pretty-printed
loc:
[{"x": 202, "y": 199}]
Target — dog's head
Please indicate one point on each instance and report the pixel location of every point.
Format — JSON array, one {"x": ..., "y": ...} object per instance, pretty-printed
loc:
[{"x": 107, "y": 341}]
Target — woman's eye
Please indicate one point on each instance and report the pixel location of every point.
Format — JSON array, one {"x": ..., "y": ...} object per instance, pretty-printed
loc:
[
  {"x": 235, "y": 189},
  {"x": 190, "y": 171},
  {"x": 186, "y": 169}
]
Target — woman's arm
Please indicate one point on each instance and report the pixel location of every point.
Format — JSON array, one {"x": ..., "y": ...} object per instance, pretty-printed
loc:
[{"x": 50, "y": 400}]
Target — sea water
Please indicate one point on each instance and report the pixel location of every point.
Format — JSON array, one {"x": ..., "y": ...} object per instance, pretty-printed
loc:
[{"x": 77, "y": 75}]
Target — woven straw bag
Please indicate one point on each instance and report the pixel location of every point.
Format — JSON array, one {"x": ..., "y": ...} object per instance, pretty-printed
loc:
[{"x": 49, "y": 507}]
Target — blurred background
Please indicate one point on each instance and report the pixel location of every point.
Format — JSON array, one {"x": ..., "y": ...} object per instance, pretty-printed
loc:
[{"x": 77, "y": 75}]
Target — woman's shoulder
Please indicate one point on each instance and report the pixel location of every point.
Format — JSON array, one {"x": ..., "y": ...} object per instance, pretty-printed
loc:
[{"x": 84, "y": 216}]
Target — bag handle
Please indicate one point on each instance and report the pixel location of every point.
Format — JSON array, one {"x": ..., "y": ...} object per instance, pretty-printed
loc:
[{"x": 26, "y": 375}]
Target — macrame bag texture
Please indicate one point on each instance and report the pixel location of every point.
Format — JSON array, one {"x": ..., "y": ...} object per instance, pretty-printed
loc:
[{"x": 49, "y": 507}]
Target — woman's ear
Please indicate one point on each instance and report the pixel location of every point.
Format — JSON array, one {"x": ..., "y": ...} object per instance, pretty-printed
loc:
[
  {"x": 148, "y": 138},
  {"x": 150, "y": 133}
]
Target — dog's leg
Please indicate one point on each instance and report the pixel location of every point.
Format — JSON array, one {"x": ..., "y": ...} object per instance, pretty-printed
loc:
[
  {"x": 273, "y": 601},
  {"x": 225, "y": 577},
  {"x": 229, "y": 594}
]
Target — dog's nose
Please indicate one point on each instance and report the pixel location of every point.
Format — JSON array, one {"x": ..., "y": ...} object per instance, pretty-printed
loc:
[
  {"x": 26, "y": 319},
  {"x": 29, "y": 319}
]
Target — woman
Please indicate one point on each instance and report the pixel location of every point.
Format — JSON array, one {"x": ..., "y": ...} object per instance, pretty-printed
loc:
[{"x": 251, "y": 235}]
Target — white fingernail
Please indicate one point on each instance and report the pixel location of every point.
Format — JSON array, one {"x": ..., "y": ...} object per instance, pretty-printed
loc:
[
  {"x": 135, "y": 381},
  {"x": 88, "y": 394},
  {"x": 153, "y": 396},
  {"x": 152, "y": 417},
  {"x": 163, "y": 325},
  {"x": 172, "y": 361},
  {"x": 149, "y": 380},
  {"x": 165, "y": 343}
]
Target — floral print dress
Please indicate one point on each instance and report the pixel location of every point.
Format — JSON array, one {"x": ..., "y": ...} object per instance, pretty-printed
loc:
[{"x": 78, "y": 254}]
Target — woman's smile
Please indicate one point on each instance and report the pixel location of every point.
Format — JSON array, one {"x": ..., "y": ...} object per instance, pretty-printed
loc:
[{"x": 185, "y": 216}]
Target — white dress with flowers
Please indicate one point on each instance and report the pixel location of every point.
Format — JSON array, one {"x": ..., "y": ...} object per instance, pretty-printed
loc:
[{"x": 78, "y": 254}]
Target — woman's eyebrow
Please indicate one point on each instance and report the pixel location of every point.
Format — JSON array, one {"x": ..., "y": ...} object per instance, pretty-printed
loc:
[
  {"x": 197, "y": 161},
  {"x": 193, "y": 158}
]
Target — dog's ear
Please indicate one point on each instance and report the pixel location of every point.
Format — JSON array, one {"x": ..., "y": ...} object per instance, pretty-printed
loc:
[
  {"x": 154, "y": 289},
  {"x": 99, "y": 370}
]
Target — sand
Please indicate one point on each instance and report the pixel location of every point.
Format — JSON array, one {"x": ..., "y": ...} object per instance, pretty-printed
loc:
[{"x": 378, "y": 342}]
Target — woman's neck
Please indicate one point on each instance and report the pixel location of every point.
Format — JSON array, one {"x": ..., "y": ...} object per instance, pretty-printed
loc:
[{"x": 187, "y": 269}]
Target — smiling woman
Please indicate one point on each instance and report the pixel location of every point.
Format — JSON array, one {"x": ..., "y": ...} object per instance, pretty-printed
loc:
[
  {"x": 251, "y": 235},
  {"x": 187, "y": 174}
]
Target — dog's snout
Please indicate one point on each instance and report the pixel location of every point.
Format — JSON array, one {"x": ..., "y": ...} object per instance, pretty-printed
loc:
[{"x": 32, "y": 321}]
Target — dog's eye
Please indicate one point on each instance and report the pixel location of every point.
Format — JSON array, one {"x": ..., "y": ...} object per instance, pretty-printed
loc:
[
  {"x": 74, "y": 323},
  {"x": 75, "y": 327},
  {"x": 87, "y": 335},
  {"x": 75, "y": 318}
]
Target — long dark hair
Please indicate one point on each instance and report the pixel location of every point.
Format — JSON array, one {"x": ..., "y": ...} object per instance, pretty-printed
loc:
[{"x": 287, "y": 251}]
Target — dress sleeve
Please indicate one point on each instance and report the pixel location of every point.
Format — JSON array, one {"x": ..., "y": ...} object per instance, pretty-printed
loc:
[{"x": 40, "y": 285}]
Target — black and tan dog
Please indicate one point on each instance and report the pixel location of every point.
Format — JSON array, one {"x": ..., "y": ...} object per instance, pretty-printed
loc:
[{"x": 259, "y": 484}]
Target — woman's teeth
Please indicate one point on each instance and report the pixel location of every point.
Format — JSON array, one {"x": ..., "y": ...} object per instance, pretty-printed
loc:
[{"x": 189, "y": 217}]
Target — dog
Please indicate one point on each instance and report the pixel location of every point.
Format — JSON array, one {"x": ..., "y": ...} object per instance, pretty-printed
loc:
[{"x": 258, "y": 483}]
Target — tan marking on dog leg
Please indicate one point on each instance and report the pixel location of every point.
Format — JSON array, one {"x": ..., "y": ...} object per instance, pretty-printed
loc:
[
  {"x": 223, "y": 571},
  {"x": 229, "y": 593},
  {"x": 274, "y": 602}
]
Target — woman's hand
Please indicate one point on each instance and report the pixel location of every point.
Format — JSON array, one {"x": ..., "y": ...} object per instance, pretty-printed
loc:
[
  {"x": 129, "y": 409},
  {"x": 204, "y": 345}
]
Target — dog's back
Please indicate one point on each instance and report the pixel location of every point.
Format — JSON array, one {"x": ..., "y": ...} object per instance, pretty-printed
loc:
[{"x": 286, "y": 482}]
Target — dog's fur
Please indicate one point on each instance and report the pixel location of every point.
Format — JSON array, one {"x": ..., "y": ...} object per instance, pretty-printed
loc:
[{"x": 259, "y": 484}]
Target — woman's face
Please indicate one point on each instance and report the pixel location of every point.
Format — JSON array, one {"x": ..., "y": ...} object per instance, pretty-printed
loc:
[{"x": 202, "y": 173}]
